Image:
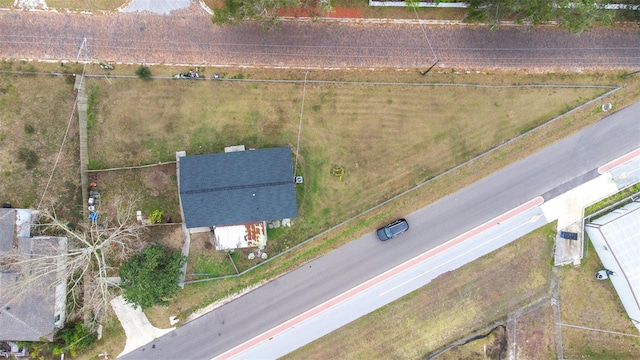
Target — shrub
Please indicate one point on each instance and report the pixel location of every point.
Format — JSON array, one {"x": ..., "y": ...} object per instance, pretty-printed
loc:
[
  {"x": 143, "y": 72},
  {"x": 152, "y": 276},
  {"x": 29, "y": 129},
  {"x": 73, "y": 338},
  {"x": 28, "y": 157},
  {"x": 156, "y": 216}
]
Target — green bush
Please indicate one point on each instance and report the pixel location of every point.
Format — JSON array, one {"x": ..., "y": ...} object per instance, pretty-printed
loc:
[
  {"x": 28, "y": 157},
  {"x": 73, "y": 338},
  {"x": 152, "y": 276},
  {"x": 29, "y": 129},
  {"x": 143, "y": 72},
  {"x": 156, "y": 216}
]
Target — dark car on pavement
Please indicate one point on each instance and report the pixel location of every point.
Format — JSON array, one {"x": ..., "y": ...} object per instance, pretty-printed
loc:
[{"x": 392, "y": 229}]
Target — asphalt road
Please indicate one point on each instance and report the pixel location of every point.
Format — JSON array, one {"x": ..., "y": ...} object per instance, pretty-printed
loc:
[
  {"x": 549, "y": 172},
  {"x": 190, "y": 38}
]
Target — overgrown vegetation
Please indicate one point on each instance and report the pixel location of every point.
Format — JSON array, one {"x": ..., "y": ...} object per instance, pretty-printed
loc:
[
  {"x": 635, "y": 189},
  {"x": 93, "y": 92},
  {"x": 143, "y": 72},
  {"x": 576, "y": 16},
  {"x": 29, "y": 129},
  {"x": 152, "y": 276},
  {"x": 156, "y": 216},
  {"x": 72, "y": 339},
  {"x": 29, "y": 157},
  {"x": 266, "y": 11}
]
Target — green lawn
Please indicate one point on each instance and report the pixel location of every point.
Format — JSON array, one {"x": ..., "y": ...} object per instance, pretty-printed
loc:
[{"x": 86, "y": 5}]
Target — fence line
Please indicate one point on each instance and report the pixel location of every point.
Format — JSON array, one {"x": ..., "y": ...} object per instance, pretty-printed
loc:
[{"x": 132, "y": 167}]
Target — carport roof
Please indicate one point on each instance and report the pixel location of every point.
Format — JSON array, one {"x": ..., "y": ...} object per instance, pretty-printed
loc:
[
  {"x": 237, "y": 187},
  {"x": 615, "y": 238}
]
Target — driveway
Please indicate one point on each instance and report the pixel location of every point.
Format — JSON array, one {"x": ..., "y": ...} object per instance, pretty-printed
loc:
[
  {"x": 156, "y": 6},
  {"x": 189, "y": 37}
]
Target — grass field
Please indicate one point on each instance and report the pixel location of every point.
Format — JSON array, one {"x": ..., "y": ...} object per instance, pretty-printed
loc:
[
  {"x": 387, "y": 138},
  {"x": 86, "y": 5},
  {"x": 594, "y": 304},
  {"x": 33, "y": 120}
]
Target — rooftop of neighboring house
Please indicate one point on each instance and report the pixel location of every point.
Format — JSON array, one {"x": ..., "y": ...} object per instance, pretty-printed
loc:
[{"x": 28, "y": 288}]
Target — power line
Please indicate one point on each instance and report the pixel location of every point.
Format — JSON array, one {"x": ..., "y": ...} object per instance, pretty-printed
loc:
[
  {"x": 304, "y": 92},
  {"x": 66, "y": 133},
  {"x": 64, "y": 139},
  {"x": 424, "y": 32}
]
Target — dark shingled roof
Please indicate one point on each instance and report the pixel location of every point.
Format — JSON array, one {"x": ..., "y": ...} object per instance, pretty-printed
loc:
[{"x": 237, "y": 187}]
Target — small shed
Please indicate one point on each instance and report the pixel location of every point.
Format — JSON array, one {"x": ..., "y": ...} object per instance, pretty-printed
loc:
[{"x": 240, "y": 236}]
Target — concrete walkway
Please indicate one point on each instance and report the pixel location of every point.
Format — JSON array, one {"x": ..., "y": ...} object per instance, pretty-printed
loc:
[
  {"x": 156, "y": 6},
  {"x": 136, "y": 325}
]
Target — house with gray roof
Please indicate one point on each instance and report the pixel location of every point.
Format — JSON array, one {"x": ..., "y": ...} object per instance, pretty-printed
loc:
[
  {"x": 236, "y": 187},
  {"x": 29, "y": 312}
]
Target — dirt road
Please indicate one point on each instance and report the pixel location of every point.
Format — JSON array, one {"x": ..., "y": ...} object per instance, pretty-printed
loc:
[{"x": 189, "y": 37}]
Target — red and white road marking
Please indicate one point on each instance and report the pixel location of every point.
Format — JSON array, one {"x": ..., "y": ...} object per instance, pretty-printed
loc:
[
  {"x": 377, "y": 280},
  {"x": 619, "y": 161}
]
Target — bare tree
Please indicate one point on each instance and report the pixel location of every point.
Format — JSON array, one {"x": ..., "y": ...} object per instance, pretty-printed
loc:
[{"x": 92, "y": 255}]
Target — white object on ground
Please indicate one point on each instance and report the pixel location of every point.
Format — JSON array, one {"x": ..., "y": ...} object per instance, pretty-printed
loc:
[
  {"x": 156, "y": 6},
  {"x": 567, "y": 208},
  {"x": 31, "y": 4}
]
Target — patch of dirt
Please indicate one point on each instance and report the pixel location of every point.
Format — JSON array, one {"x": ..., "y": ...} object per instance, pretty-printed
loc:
[
  {"x": 169, "y": 235},
  {"x": 345, "y": 13},
  {"x": 202, "y": 243},
  {"x": 535, "y": 334},
  {"x": 489, "y": 347}
]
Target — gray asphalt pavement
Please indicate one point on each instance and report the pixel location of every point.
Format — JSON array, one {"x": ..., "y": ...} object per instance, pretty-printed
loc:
[
  {"x": 549, "y": 172},
  {"x": 190, "y": 38},
  {"x": 389, "y": 287}
]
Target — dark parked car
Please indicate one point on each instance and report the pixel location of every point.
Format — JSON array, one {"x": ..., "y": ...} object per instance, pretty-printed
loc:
[{"x": 392, "y": 229}]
